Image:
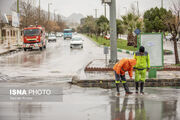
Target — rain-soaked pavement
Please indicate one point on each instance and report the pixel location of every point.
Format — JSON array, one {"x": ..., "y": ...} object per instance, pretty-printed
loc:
[
  {"x": 98, "y": 104},
  {"x": 58, "y": 60},
  {"x": 55, "y": 66}
]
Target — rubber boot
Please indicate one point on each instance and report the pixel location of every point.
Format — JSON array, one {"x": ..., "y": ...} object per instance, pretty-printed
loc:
[
  {"x": 137, "y": 87},
  {"x": 126, "y": 88},
  {"x": 142, "y": 87},
  {"x": 117, "y": 87}
]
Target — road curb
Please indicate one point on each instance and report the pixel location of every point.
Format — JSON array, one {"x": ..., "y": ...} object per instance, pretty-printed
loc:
[
  {"x": 109, "y": 83},
  {"x": 105, "y": 69},
  {"x": 125, "y": 51},
  {"x": 15, "y": 50}
]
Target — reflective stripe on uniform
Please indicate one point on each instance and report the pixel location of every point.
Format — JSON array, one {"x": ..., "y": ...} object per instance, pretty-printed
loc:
[{"x": 117, "y": 81}]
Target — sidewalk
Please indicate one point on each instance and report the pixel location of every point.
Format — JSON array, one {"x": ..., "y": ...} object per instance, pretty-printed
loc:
[
  {"x": 97, "y": 74},
  {"x": 4, "y": 50}
]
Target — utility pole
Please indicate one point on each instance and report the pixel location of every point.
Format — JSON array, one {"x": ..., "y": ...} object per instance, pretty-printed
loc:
[
  {"x": 138, "y": 7},
  {"x": 105, "y": 9},
  {"x": 49, "y": 11},
  {"x": 161, "y": 3},
  {"x": 113, "y": 32},
  {"x": 95, "y": 12},
  {"x": 18, "y": 31},
  {"x": 17, "y": 6},
  {"x": 54, "y": 15},
  {"x": 126, "y": 10},
  {"x": 39, "y": 10}
]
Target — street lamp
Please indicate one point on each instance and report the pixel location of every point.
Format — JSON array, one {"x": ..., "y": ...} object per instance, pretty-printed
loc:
[
  {"x": 54, "y": 15},
  {"x": 39, "y": 10},
  {"x": 161, "y": 3},
  {"x": 49, "y": 10},
  {"x": 17, "y": 6},
  {"x": 137, "y": 7},
  {"x": 125, "y": 10}
]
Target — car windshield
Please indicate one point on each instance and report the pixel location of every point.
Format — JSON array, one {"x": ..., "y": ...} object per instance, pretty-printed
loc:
[
  {"x": 76, "y": 39},
  {"x": 52, "y": 35},
  {"x": 31, "y": 32},
  {"x": 67, "y": 31}
]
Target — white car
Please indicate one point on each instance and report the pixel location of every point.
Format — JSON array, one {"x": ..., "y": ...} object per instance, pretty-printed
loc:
[
  {"x": 58, "y": 34},
  {"x": 51, "y": 37},
  {"x": 76, "y": 41}
]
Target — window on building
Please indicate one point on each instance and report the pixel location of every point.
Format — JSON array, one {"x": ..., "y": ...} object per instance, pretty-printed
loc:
[
  {"x": 14, "y": 33},
  {"x": 11, "y": 32},
  {"x": 3, "y": 33}
]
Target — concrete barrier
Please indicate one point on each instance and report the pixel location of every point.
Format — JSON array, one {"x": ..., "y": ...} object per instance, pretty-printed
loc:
[{"x": 107, "y": 84}]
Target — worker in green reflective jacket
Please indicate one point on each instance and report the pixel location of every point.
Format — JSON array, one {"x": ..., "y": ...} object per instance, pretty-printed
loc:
[{"x": 142, "y": 65}]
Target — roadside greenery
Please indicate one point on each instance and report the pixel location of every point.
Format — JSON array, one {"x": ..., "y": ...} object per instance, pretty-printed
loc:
[
  {"x": 177, "y": 64},
  {"x": 121, "y": 44},
  {"x": 154, "y": 20}
]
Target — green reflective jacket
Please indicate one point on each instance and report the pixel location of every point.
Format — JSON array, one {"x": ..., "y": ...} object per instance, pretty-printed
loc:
[{"x": 142, "y": 61}]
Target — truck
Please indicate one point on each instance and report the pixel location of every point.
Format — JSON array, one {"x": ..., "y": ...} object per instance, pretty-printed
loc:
[
  {"x": 67, "y": 33},
  {"x": 34, "y": 38}
]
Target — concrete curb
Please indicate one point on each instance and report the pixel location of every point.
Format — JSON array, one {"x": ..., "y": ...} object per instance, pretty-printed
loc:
[
  {"x": 15, "y": 50},
  {"x": 108, "y": 84},
  {"x": 125, "y": 51},
  {"x": 105, "y": 69}
]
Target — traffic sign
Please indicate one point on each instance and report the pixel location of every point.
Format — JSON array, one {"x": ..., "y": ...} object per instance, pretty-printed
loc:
[
  {"x": 15, "y": 19},
  {"x": 137, "y": 31}
]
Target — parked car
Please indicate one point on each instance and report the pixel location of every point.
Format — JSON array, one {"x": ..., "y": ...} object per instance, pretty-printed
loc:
[
  {"x": 76, "y": 41},
  {"x": 169, "y": 37},
  {"x": 52, "y": 37},
  {"x": 107, "y": 37}
]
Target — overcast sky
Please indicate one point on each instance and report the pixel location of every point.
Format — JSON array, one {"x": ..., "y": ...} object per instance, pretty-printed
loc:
[{"x": 86, "y": 7}]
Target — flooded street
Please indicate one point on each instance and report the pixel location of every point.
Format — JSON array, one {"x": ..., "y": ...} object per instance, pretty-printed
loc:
[
  {"x": 56, "y": 66},
  {"x": 99, "y": 104},
  {"x": 58, "y": 60}
]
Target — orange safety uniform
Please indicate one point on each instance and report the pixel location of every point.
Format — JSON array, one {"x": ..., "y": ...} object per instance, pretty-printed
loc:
[{"x": 125, "y": 65}]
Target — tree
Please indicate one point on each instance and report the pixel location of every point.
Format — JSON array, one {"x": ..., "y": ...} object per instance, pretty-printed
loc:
[
  {"x": 155, "y": 19},
  {"x": 120, "y": 27},
  {"x": 174, "y": 28},
  {"x": 102, "y": 25},
  {"x": 161, "y": 20},
  {"x": 88, "y": 26},
  {"x": 29, "y": 15},
  {"x": 131, "y": 21}
]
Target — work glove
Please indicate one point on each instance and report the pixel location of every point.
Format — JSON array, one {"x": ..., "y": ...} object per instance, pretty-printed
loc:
[{"x": 134, "y": 67}]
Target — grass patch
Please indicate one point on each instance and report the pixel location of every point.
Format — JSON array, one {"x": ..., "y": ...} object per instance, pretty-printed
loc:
[
  {"x": 168, "y": 52},
  {"x": 121, "y": 44},
  {"x": 177, "y": 64}
]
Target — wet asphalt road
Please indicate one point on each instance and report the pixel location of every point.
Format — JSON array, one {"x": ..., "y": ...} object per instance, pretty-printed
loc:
[
  {"x": 57, "y": 61},
  {"x": 98, "y": 104}
]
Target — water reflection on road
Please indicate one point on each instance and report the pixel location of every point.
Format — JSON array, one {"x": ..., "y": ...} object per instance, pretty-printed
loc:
[
  {"x": 99, "y": 104},
  {"x": 148, "y": 107}
]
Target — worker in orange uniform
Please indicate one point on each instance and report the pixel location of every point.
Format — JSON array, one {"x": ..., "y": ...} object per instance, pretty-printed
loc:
[{"x": 120, "y": 68}]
